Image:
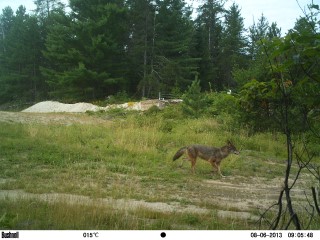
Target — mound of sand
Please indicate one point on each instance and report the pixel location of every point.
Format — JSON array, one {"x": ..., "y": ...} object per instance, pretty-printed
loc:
[{"x": 52, "y": 106}]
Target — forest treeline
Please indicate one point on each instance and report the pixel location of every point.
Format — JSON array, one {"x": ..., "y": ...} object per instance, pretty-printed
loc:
[
  {"x": 89, "y": 50},
  {"x": 93, "y": 49}
]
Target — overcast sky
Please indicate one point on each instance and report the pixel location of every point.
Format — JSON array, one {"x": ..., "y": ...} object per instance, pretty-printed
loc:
[{"x": 284, "y": 12}]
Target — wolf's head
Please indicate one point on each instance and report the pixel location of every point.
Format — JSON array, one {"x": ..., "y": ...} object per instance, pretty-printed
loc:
[{"x": 232, "y": 148}]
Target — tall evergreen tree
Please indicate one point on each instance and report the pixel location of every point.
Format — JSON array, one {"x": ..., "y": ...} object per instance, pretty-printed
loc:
[
  {"x": 45, "y": 7},
  {"x": 101, "y": 47},
  {"x": 274, "y": 31},
  {"x": 209, "y": 30},
  {"x": 93, "y": 49},
  {"x": 174, "y": 64},
  {"x": 257, "y": 68},
  {"x": 141, "y": 45},
  {"x": 6, "y": 23},
  {"x": 257, "y": 32},
  {"x": 304, "y": 26},
  {"x": 233, "y": 44},
  {"x": 20, "y": 78},
  {"x": 60, "y": 55},
  {"x": 6, "y": 19}
]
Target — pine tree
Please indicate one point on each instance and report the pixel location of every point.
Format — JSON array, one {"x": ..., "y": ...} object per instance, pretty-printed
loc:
[
  {"x": 257, "y": 32},
  {"x": 45, "y": 7},
  {"x": 6, "y": 23},
  {"x": 60, "y": 55},
  {"x": 174, "y": 64},
  {"x": 92, "y": 43},
  {"x": 20, "y": 79},
  {"x": 209, "y": 30},
  {"x": 274, "y": 31},
  {"x": 141, "y": 45},
  {"x": 233, "y": 45}
]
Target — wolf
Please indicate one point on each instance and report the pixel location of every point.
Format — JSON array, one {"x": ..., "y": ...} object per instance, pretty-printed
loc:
[{"x": 211, "y": 154}]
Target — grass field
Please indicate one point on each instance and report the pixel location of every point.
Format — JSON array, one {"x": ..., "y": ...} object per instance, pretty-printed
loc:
[{"x": 117, "y": 173}]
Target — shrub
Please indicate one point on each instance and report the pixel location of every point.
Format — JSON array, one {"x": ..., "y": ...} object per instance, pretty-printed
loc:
[{"x": 194, "y": 102}]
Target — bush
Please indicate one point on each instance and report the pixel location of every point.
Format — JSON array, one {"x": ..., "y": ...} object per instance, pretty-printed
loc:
[
  {"x": 222, "y": 103},
  {"x": 258, "y": 101},
  {"x": 194, "y": 102},
  {"x": 174, "y": 112},
  {"x": 154, "y": 110}
]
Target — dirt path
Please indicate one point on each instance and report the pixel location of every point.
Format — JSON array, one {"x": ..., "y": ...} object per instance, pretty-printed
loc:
[
  {"x": 124, "y": 204},
  {"x": 48, "y": 118},
  {"x": 229, "y": 197}
]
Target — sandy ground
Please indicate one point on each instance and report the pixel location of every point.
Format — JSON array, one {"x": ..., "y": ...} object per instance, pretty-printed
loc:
[
  {"x": 124, "y": 204},
  {"x": 48, "y": 118},
  {"x": 53, "y": 106},
  {"x": 233, "y": 198}
]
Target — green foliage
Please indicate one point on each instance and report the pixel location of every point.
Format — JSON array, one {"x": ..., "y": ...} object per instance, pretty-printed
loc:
[
  {"x": 20, "y": 56},
  {"x": 154, "y": 110},
  {"x": 104, "y": 48},
  {"x": 283, "y": 73},
  {"x": 257, "y": 99},
  {"x": 222, "y": 103},
  {"x": 92, "y": 51},
  {"x": 209, "y": 31},
  {"x": 257, "y": 32},
  {"x": 7, "y": 221},
  {"x": 194, "y": 102},
  {"x": 226, "y": 110},
  {"x": 234, "y": 45},
  {"x": 118, "y": 98},
  {"x": 173, "y": 62},
  {"x": 101, "y": 48},
  {"x": 173, "y": 112}
]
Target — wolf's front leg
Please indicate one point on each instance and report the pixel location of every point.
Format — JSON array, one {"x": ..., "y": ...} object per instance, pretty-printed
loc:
[
  {"x": 219, "y": 171},
  {"x": 214, "y": 167}
]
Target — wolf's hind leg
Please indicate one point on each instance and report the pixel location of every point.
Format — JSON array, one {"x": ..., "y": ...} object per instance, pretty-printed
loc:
[
  {"x": 192, "y": 156},
  {"x": 183, "y": 161}
]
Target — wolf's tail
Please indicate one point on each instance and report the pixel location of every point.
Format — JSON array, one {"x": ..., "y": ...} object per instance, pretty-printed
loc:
[{"x": 179, "y": 153}]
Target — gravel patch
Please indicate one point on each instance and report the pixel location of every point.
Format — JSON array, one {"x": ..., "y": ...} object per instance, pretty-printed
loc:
[{"x": 52, "y": 106}]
